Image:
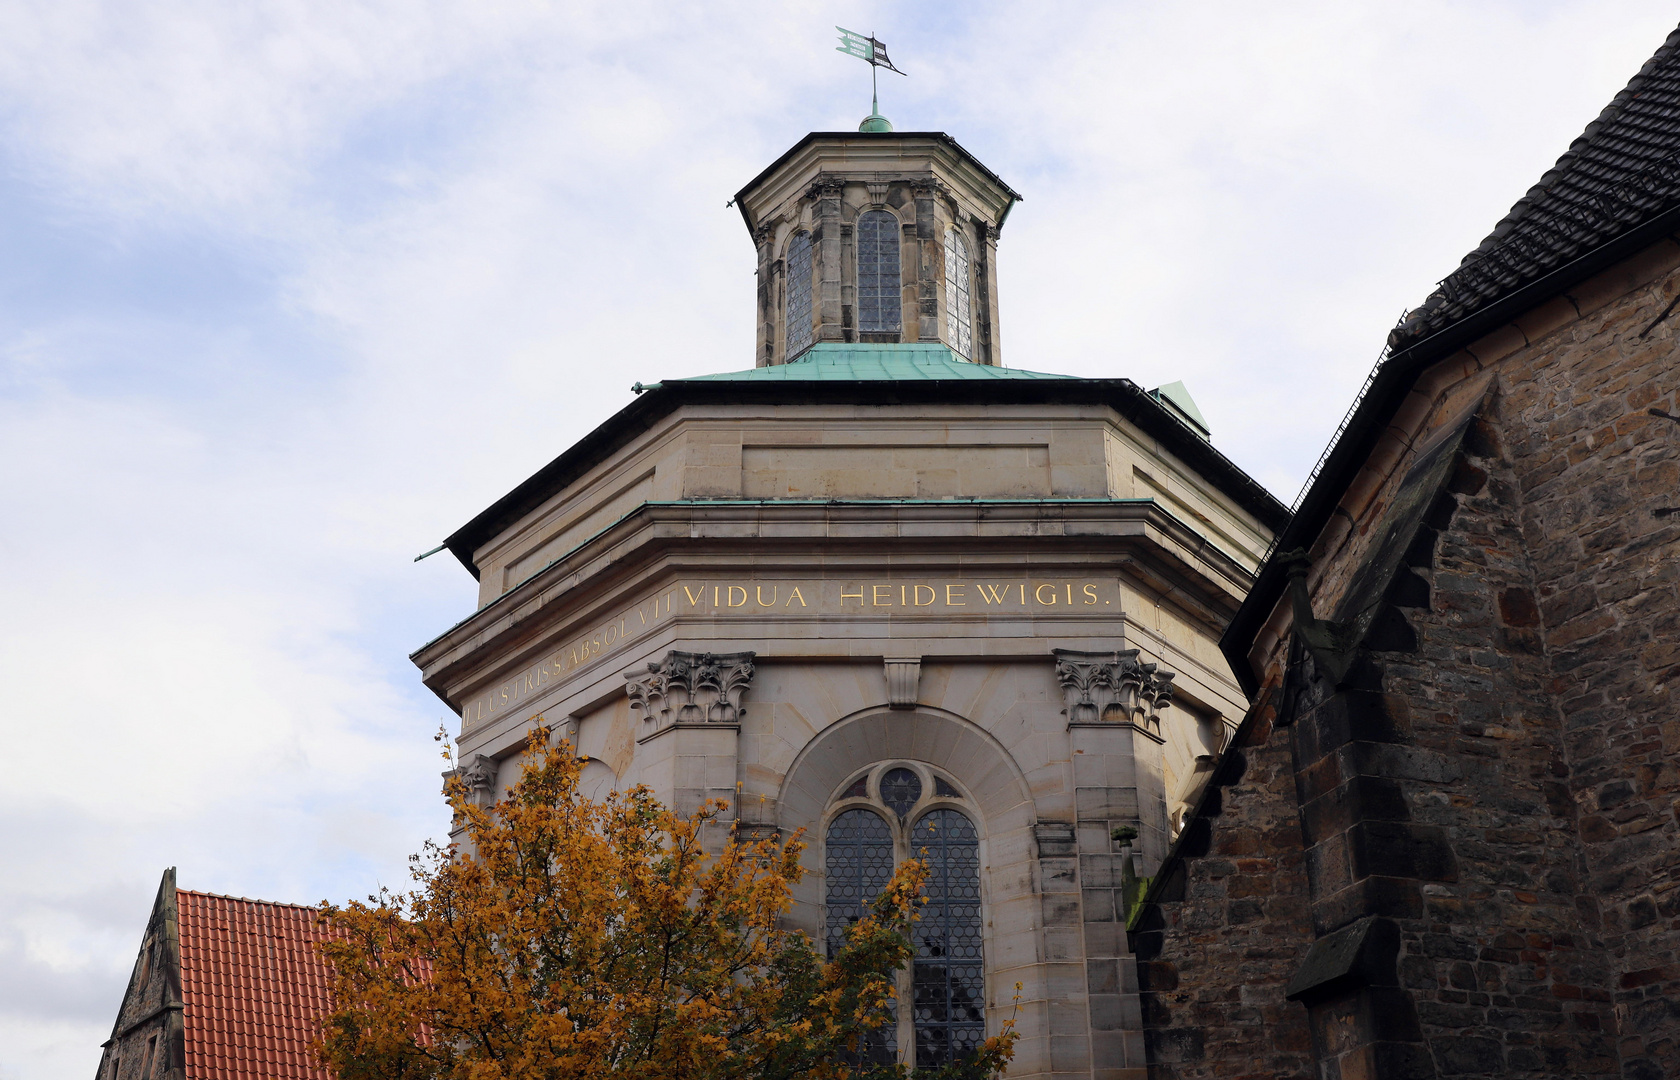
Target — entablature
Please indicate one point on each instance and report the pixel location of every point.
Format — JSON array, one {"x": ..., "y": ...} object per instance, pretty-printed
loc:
[{"x": 918, "y": 551}]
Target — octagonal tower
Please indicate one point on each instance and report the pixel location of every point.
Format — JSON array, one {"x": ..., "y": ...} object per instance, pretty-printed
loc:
[{"x": 877, "y": 237}]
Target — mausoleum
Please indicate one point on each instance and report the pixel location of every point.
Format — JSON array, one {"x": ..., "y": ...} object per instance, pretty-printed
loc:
[{"x": 883, "y": 589}]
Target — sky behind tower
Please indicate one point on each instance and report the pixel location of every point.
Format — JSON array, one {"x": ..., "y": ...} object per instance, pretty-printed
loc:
[{"x": 291, "y": 290}]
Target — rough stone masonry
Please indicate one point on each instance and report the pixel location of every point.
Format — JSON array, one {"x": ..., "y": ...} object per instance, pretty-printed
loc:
[{"x": 1446, "y": 841}]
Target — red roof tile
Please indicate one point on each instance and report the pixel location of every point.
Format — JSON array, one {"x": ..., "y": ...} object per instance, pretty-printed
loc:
[{"x": 254, "y": 988}]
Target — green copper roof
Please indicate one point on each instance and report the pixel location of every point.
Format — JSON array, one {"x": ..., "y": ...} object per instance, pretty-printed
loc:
[{"x": 835, "y": 362}]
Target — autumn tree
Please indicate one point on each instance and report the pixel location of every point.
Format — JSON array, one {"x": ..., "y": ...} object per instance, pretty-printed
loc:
[{"x": 569, "y": 939}]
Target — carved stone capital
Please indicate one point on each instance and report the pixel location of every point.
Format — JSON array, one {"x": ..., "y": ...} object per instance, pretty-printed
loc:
[
  {"x": 690, "y": 688},
  {"x": 1113, "y": 687},
  {"x": 825, "y": 187},
  {"x": 479, "y": 776},
  {"x": 926, "y": 187},
  {"x": 763, "y": 233}
]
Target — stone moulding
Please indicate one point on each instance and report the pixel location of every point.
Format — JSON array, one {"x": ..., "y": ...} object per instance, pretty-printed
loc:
[
  {"x": 690, "y": 688},
  {"x": 1112, "y": 687},
  {"x": 904, "y": 677}
]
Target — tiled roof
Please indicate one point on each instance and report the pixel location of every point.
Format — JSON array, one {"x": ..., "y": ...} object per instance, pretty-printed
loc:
[
  {"x": 1621, "y": 172},
  {"x": 253, "y": 986}
]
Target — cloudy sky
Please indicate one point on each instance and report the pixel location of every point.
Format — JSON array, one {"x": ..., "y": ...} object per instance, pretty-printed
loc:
[{"x": 290, "y": 290}]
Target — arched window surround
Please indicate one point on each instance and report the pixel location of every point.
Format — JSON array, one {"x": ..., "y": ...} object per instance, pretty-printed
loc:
[
  {"x": 879, "y": 299},
  {"x": 798, "y": 293},
  {"x": 959, "y": 292},
  {"x": 940, "y": 791}
]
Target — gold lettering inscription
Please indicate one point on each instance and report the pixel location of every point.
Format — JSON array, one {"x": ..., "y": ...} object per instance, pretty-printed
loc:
[{"x": 824, "y": 596}]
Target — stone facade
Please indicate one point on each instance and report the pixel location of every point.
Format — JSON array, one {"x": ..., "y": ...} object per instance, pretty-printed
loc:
[
  {"x": 1462, "y": 756},
  {"x": 887, "y": 579}
]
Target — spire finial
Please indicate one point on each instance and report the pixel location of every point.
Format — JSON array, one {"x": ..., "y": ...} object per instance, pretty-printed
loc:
[{"x": 872, "y": 50}]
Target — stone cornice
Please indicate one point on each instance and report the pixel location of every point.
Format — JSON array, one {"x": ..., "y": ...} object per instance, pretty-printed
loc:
[
  {"x": 1160, "y": 550},
  {"x": 655, "y": 408}
]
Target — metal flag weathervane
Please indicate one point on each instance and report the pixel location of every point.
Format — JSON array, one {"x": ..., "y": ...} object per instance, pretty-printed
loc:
[{"x": 867, "y": 48}]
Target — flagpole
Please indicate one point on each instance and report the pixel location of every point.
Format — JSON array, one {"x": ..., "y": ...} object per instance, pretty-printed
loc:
[{"x": 874, "y": 91}]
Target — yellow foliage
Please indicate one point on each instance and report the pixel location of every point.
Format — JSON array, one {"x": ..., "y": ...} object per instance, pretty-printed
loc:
[{"x": 569, "y": 939}]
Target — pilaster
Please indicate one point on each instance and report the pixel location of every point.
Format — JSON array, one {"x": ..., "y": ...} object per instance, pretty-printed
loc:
[
  {"x": 834, "y": 316},
  {"x": 689, "y": 735}
]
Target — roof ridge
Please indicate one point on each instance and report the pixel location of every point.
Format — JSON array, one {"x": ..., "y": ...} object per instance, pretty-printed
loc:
[
  {"x": 1621, "y": 171},
  {"x": 1570, "y": 160},
  {"x": 246, "y": 899}
]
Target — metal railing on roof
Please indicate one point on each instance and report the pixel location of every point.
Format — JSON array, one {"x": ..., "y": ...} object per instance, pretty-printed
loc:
[{"x": 1335, "y": 437}]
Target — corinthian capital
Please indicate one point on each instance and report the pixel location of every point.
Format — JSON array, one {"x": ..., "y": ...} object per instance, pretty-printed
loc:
[
  {"x": 691, "y": 688},
  {"x": 1112, "y": 686}
]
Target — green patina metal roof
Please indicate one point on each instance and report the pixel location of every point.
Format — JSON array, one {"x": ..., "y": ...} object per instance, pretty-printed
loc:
[{"x": 835, "y": 362}]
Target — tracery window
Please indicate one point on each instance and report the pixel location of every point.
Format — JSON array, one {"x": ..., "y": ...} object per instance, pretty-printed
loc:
[
  {"x": 798, "y": 308},
  {"x": 889, "y": 813},
  {"x": 959, "y": 318},
  {"x": 880, "y": 284}
]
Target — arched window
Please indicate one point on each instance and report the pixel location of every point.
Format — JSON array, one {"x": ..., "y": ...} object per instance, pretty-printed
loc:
[
  {"x": 858, "y": 862},
  {"x": 896, "y": 811},
  {"x": 798, "y": 313},
  {"x": 959, "y": 319},
  {"x": 880, "y": 285},
  {"x": 949, "y": 983}
]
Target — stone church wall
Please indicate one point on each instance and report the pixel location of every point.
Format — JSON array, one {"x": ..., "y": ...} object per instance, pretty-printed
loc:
[
  {"x": 1231, "y": 925},
  {"x": 1485, "y": 787}
]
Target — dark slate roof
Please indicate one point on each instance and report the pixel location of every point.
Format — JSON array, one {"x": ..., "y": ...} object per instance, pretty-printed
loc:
[
  {"x": 740, "y": 196},
  {"x": 1616, "y": 192},
  {"x": 1621, "y": 172}
]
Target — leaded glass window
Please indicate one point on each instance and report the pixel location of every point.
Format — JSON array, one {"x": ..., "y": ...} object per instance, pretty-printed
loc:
[
  {"x": 901, "y": 789},
  {"x": 949, "y": 990},
  {"x": 945, "y": 986},
  {"x": 859, "y": 858},
  {"x": 798, "y": 295},
  {"x": 880, "y": 285},
  {"x": 959, "y": 318}
]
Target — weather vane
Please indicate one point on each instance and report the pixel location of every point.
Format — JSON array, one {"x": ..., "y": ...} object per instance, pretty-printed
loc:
[{"x": 868, "y": 48}]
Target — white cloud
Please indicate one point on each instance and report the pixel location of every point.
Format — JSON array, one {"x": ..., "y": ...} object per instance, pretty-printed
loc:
[{"x": 289, "y": 291}]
